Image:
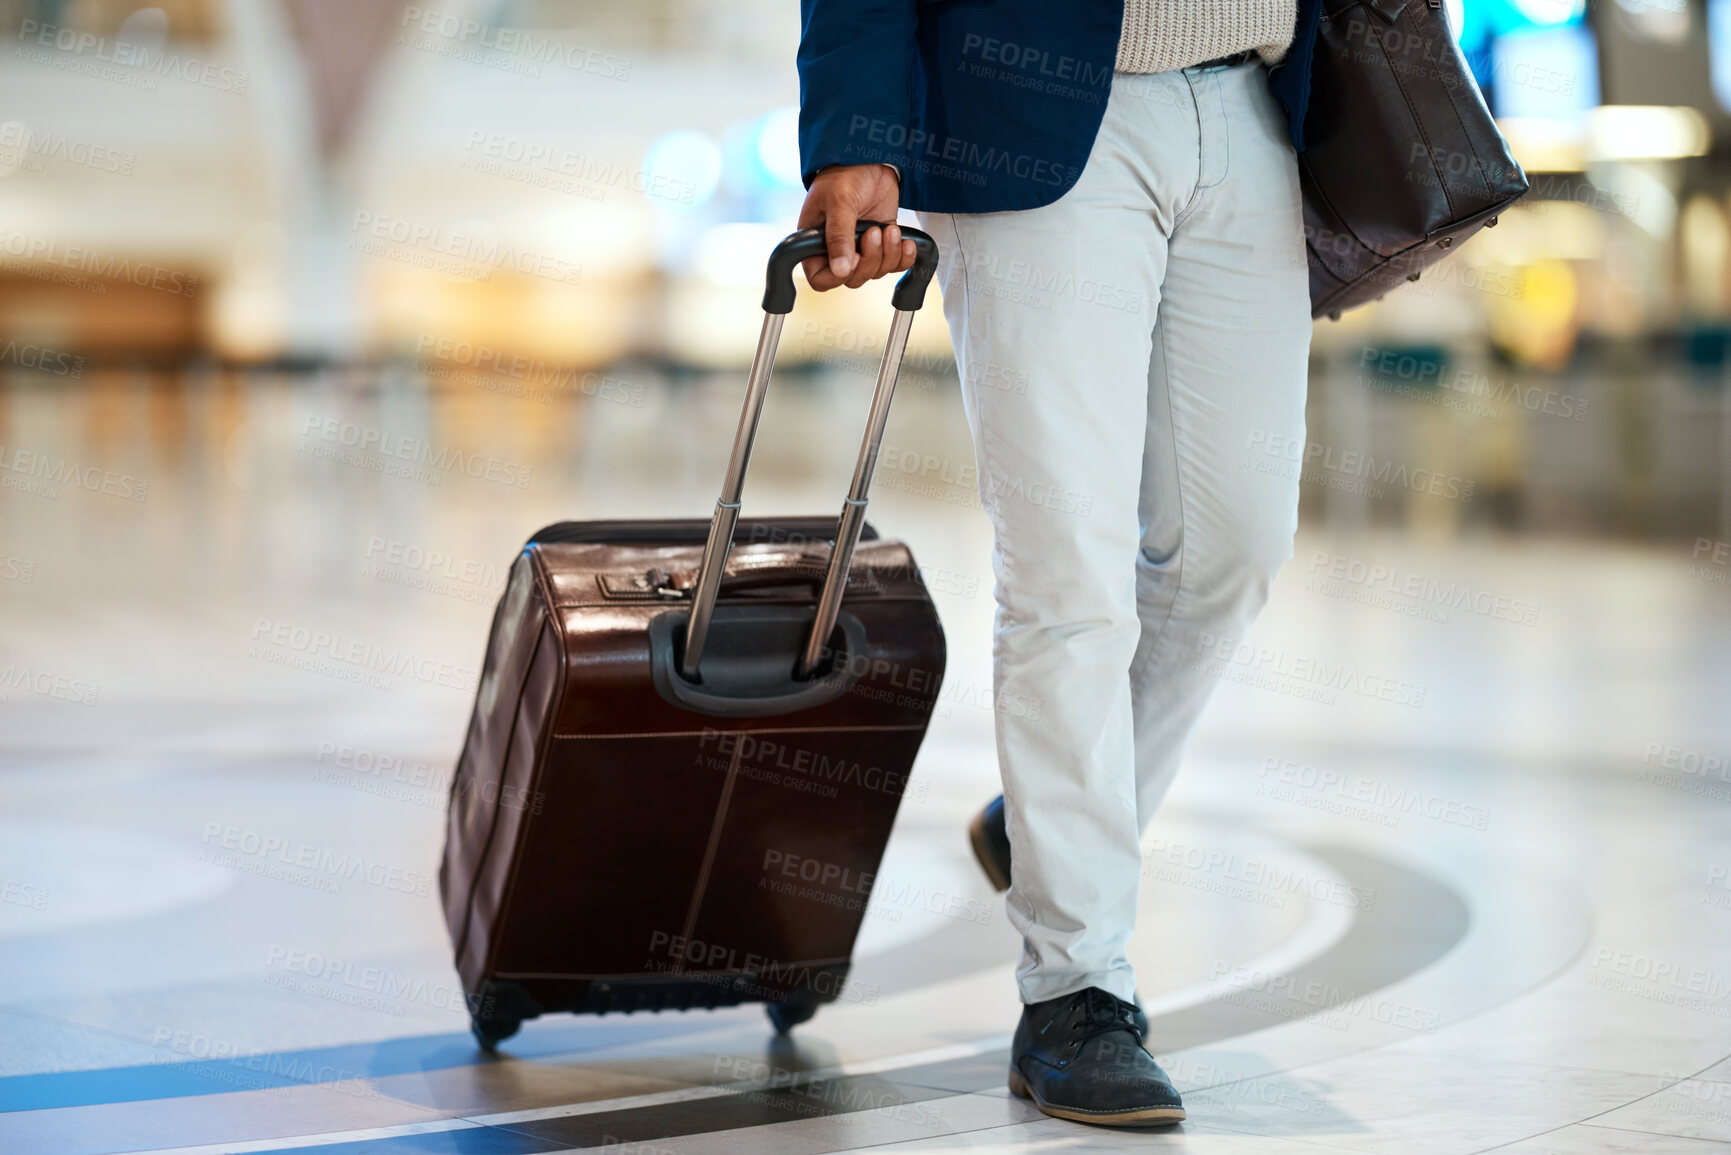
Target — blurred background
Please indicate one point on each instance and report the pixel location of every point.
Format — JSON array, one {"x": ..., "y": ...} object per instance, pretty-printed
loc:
[{"x": 570, "y": 200}]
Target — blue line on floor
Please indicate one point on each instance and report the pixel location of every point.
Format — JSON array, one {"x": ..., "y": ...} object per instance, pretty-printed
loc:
[
  {"x": 274, "y": 1069},
  {"x": 475, "y": 1141},
  {"x": 471, "y": 1142}
]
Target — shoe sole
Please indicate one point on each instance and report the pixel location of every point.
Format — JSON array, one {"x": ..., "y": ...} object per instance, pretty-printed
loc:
[
  {"x": 977, "y": 840},
  {"x": 1147, "y": 1117}
]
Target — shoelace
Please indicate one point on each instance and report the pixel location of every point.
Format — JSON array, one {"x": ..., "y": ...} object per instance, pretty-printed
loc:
[{"x": 1101, "y": 1013}]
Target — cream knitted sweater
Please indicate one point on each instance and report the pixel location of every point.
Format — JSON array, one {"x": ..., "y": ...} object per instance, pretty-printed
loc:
[{"x": 1163, "y": 34}]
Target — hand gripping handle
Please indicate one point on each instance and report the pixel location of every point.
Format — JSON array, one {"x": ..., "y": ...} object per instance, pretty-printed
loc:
[
  {"x": 910, "y": 291},
  {"x": 778, "y": 297}
]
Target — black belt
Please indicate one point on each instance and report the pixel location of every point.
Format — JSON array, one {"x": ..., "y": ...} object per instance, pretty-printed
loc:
[{"x": 1232, "y": 61}]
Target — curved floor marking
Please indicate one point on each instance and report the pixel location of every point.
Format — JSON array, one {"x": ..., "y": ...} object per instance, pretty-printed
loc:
[
  {"x": 1416, "y": 920},
  {"x": 1325, "y": 924}
]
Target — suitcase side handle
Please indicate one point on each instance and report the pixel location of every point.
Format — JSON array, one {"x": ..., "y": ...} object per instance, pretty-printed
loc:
[
  {"x": 746, "y": 680},
  {"x": 909, "y": 296}
]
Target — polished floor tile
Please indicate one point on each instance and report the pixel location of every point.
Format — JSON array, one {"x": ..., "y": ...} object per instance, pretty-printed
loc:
[
  {"x": 1592, "y": 1139},
  {"x": 1058, "y": 1135},
  {"x": 1688, "y": 1109},
  {"x": 1497, "y": 920}
]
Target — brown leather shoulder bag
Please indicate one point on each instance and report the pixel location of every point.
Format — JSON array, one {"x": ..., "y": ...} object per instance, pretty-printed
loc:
[{"x": 1402, "y": 161}]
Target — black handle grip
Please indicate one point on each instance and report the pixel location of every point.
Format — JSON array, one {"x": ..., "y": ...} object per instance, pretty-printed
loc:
[{"x": 910, "y": 291}]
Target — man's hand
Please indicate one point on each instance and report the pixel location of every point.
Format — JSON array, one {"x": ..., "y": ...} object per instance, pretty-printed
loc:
[{"x": 840, "y": 196}]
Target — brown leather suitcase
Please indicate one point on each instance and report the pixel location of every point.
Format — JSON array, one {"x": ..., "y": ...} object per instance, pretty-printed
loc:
[{"x": 689, "y": 743}]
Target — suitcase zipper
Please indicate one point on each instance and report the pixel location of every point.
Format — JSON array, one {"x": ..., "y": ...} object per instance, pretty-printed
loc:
[{"x": 656, "y": 584}]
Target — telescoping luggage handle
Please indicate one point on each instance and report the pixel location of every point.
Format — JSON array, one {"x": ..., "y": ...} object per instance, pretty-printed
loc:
[{"x": 778, "y": 296}]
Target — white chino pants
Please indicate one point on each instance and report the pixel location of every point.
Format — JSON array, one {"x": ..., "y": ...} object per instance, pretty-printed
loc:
[{"x": 1123, "y": 353}]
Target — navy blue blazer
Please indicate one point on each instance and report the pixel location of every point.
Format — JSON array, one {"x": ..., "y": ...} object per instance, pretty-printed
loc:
[{"x": 985, "y": 105}]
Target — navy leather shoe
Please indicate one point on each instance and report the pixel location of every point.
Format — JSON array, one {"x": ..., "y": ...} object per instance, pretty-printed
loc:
[
  {"x": 991, "y": 843},
  {"x": 1081, "y": 1057}
]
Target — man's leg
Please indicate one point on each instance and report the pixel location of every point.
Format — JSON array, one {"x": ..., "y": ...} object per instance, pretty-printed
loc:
[
  {"x": 1051, "y": 312},
  {"x": 1226, "y": 379}
]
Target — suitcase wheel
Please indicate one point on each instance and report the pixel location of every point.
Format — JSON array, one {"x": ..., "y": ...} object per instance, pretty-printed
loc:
[
  {"x": 490, "y": 1032},
  {"x": 795, "y": 1008},
  {"x": 497, "y": 1012}
]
